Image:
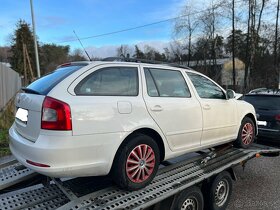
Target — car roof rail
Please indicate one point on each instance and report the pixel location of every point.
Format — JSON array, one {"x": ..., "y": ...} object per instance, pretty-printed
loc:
[
  {"x": 138, "y": 60},
  {"x": 257, "y": 90},
  {"x": 267, "y": 91},
  {"x": 75, "y": 63}
]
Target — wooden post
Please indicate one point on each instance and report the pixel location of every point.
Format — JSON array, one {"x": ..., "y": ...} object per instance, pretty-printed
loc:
[
  {"x": 24, "y": 64},
  {"x": 29, "y": 64}
]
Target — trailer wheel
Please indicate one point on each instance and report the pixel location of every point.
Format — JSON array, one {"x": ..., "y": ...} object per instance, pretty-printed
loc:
[
  {"x": 189, "y": 199},
  {"x": 136, "y": 162},
  {"x": 220, "y": 191}
]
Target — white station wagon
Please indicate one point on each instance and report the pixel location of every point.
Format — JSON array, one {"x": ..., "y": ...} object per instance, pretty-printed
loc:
[{"x": 123, "y": 118}]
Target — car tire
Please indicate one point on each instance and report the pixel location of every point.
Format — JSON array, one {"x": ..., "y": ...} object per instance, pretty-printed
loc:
[
  {"x": 191, "y": 198},
  {"x": 246, "y": 133},
  {"x": 217, "y": 193},
  {"x": 131, "y": 171}
]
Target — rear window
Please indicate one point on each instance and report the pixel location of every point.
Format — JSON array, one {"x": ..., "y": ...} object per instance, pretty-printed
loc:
[
  {"x": 264, "y": 102},
  {"x": 110, "y": 81},
  {"x": 46, "y": 83}
]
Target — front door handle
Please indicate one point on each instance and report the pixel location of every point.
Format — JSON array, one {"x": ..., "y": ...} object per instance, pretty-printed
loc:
[
  {"x": 157, "y": 108},
  {"x": 206, "y": 107}
]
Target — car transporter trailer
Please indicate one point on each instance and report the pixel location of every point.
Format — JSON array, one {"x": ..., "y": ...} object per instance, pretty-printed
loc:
[{"x": 188, "y": 182}]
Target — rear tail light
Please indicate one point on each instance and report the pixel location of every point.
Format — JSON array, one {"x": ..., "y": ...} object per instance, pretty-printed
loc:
[
  {"x": 56, "y": 115},
  {"x": 37, "y": 164},
  {"x": 277, "y": 117}
]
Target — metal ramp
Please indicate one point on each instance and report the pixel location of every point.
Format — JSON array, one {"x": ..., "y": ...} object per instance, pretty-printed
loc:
[
  {"x": 35, "y": 197},
  {"x": 168, "y": 182},
  {"x": 12, "y": 172}
]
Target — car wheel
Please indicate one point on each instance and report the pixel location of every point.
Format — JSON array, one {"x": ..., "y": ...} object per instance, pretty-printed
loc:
[
  {"x": 246, "y": 133},
  {"x": 190, "y": 198},
  {"x": 218, "y": 192},
  {"x": 136, "y": 162}
]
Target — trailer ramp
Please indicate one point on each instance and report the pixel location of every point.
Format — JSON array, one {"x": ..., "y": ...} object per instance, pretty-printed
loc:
[
  {"x": 12, "y": 172},
  {"x": 100, "y": 193}
]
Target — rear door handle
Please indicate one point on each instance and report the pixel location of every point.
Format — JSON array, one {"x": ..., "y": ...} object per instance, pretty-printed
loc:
[
  {"x": 206, "y": 107},
  {"x": 157, "y": 108}
]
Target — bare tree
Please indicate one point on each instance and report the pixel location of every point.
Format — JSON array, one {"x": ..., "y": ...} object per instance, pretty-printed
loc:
[
  {"x": 123, "y": 51},
  {"x": 77, "y": 55},
  {"x": 247, "y": 56},
  {"x": 255, "y": 30},
  {"x": 167, "y": 53},
  {"x": 176, "y": 51},
  {"x": 186, "y": 26},
  {"x": 251, "y": 40},
  {"x": 233, "y": 44},
  {"x": 276, "y": 64},
  {"x": 210, "y": 22}
]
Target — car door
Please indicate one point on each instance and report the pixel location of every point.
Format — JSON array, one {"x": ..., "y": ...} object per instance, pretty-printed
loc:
[
  {"x": 219, "y": 114},
  {"x": 172, "y": 106}
]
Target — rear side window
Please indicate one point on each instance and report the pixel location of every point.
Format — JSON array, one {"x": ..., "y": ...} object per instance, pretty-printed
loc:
[
  {"x": 205, "y": 87},
  {"x": 166, "y": 83},
  {"x": 46, "y": 83},
  {"x": 264, "y": 102},
  {"x": 110, "y": 81}
]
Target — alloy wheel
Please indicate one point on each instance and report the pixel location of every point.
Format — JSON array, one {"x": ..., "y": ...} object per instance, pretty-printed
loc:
[
  {"x": 247, "y": 133},
  {"x": 140, "y": 163}
]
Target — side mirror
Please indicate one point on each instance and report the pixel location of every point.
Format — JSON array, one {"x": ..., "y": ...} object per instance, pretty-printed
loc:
[{"x": 230, "y": 94}]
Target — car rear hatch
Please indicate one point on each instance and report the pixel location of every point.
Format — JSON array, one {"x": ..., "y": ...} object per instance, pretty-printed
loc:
[
  {"x": 267, "y": 110},
  {"x": 29, "y": 102},
  {"x": 28, "y": 115}
]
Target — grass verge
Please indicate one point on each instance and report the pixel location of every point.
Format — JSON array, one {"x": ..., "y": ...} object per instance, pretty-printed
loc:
[{"x": 6, "y": 121}]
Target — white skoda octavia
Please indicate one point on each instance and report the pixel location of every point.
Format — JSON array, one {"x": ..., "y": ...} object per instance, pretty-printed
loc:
[{"x": 92, "y": 118}]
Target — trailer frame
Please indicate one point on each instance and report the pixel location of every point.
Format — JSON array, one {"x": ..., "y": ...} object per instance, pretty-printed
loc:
[{"x": 173, "y": 177}]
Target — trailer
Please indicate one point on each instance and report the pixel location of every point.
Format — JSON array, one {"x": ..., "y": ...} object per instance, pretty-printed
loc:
[{"x": 191, "y": 181}]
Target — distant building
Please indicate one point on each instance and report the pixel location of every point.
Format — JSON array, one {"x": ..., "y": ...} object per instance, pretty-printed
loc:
[
  {"x": 227, "y": 77},
  {"x": 222, "y": 71}
]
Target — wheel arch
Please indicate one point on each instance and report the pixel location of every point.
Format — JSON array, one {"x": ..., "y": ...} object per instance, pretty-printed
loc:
[
  {"x": 252, "y": 117},
  {"x": 232, "y": 174},
  {"x": 153, "y": 134},
  {"x": 149, "y": 132}
]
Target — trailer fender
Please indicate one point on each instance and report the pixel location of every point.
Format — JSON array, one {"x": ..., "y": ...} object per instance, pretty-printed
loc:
[{"x": 232, "y": 174}]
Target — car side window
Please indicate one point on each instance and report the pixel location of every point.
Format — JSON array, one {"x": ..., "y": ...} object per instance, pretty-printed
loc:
[
  {"x": 205, "y": 87},
  {"x": 166, "y": 83},
  {"x": 110, "y": 81}
]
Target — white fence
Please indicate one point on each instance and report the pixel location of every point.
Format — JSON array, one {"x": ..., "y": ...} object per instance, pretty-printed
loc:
[{"x": 10, "y": 83}]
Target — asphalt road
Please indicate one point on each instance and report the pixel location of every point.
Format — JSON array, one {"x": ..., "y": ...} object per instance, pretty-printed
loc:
[{"x": 258, "y": 186}]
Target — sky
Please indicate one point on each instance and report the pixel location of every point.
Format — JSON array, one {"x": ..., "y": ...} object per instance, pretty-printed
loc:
[{"x": 56, "y": 20}]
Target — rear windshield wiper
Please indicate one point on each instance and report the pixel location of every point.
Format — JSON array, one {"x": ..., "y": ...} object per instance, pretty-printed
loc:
[{"x": 28, "y": 90}]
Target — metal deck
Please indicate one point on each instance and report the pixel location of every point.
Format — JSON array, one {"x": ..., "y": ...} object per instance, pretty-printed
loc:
[
  {"x": 12, "y": 172},
  {"x": 100, "y": 193},
  {"x": 35, "y": 197}
]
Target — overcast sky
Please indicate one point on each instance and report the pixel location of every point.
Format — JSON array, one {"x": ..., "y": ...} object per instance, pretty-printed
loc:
[{"x": 56, "y": 20}]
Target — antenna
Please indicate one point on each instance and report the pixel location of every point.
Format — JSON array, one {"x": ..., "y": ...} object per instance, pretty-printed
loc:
[{"x": 82, "y": 45}]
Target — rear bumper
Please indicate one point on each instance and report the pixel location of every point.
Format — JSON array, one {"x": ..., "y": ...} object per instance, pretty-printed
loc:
[
  {"x": 67, "y": 156},
  {"x": 269, "y": 134}
]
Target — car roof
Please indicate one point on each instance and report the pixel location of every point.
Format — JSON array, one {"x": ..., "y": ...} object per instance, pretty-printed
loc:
[
  {"x": 264, "y": 92},
  {"x": 117, "y": 60}
]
